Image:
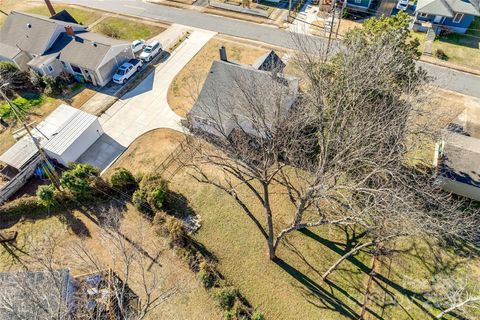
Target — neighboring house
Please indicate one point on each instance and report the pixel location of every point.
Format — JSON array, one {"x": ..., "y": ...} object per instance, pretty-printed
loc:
[
  {"x": 225, "y": 99},
  {"x": 459, "y": 156},
  {"x": 35, "y": 294},
  {"x": 454, "y": 15},
  {"x": 360, "y": 5},
  {"x": 50, "y": 47}
]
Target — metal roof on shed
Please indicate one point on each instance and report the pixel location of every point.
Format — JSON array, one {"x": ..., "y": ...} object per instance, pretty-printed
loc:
[
  {"x": 49, "y": 129},
  {"x": 78, "y": 124}
]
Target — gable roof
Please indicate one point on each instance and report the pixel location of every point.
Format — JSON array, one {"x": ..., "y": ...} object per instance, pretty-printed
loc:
[
  {"x": 228, "y": 88},
  {"x": 448, "y": 8},
  {"x": 64, "y": 16},
  {"x": 50, "y": 290},
  {"x": 269, "y": 61},
  {"x": 87, "y": 49},
  {"x": 30, "y": 32},
  {"x": 24, "y": 150}
]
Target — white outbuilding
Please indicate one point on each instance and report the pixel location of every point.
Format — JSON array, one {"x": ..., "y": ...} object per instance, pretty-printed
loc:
[{"x": 75, "y": 137}]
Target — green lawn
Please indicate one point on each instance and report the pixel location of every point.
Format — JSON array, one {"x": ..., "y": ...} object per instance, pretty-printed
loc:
[
  {"x": 460, "y": 49},
  {"x": 83, "y": 16},
  {"x": 127, "y": 29},
  {"x": 292, "y": 288}
]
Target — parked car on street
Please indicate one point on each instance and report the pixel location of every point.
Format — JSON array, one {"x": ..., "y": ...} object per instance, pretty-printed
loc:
[
  {"x": 151, "y": 51},
  {"x": 402, "y": 5},
  {"x": 127, "y": 70},
  {"x": 138, "y": 45}
]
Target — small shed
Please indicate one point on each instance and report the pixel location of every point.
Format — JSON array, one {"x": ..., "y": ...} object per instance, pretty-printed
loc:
[{"x": 74, "y": 138}]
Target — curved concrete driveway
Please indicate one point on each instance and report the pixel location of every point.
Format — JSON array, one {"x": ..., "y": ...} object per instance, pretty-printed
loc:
[{"x": 145, "y": 107}]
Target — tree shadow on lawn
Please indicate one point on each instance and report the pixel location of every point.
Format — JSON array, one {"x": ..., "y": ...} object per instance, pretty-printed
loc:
[{"x": 418, "y": 298}]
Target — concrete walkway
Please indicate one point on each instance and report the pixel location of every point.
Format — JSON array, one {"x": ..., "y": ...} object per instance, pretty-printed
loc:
[
  {"x": 304, "y": 18},
  {"x": 145, "y": 107}
]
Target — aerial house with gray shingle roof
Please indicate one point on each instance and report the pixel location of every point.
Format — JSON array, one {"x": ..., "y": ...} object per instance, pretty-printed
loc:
[
  {"x": 50, "y": 47},
  {"x": 452, "y": 15}
]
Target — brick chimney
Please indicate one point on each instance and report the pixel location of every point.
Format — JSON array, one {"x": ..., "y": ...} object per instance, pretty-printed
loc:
[
  {"x": 223, "y": 53},
  {"x": 50, "y": 8},
  {"x": 69, "y": 30}
]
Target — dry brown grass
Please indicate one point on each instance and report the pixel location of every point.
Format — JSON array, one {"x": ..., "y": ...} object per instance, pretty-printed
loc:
[
  {"x": 191, "y": 301},
  {"x": 149, "y": 151},
  {"x": 81, "y": 97},
  {"x": 185, "y": 87}
]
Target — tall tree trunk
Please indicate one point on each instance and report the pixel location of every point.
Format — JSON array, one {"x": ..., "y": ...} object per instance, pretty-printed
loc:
[
  {"x": 371, "y": 276},
  {"x": 268, "y": 212}
]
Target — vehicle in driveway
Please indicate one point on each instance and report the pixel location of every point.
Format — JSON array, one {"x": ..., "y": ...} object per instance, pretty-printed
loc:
[
  {"x": 151, "y": 51},
  {"x": 138, "y": 45},
  {"x": 127, "y": 70},
  {"x": 402, "y": 5}
]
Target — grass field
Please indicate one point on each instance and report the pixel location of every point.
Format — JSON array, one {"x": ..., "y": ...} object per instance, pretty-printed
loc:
[
  {"x": 83, "y": 16},
  {"x": 127, "y": 29},
  {"x": 80, "y": 228},
  {"x": 187, "y": 84},
  {"x": 292, "y": 287},
  {"x": 460, "y": 49}
]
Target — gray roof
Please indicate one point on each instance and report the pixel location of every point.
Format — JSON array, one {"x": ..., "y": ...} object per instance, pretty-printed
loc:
[
  {"x": 29, "y": 31},
  {"x": 40, "y": 61},
  {"x": 87, "y": 49},
  {"x": 230, "y": 87},
  {"x": 448, "y": 8},
  {"x": 33, "y": 295},
  {"x": 8, "y": 51},
  {"x": 269, "y": 61},
  {"x": 461, "y": 161}
]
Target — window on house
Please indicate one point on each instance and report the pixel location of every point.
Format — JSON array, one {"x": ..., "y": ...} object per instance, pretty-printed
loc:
[
  {"x": 76, "y": 69},
  {"x": 50, "y": 68},
  {"x": 358, "y": 1},
  {"x": 423, "y": 15},
  {"x": 458, "y": 17}
]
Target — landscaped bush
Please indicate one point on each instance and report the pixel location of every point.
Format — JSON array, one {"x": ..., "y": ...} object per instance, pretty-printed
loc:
[
  {"x": 80, "y": 179},
  {"x": 175, "y": 230},
  {"x": 53, "y": 87},
  {"x": 22, "y": 103},
  {"x": 46, "y": 195},
  {"x": 440, "y": 54},
  {"x": 207, "y": 274},
  {"x": 257, "y": 316},
  {"x": 226, "y": 297},
  {"x": 19, "y": 81},
  {"x": 150, "y": 195},
  {"x": 123, "y": 180},
  {"x": 109, "y": 30}
]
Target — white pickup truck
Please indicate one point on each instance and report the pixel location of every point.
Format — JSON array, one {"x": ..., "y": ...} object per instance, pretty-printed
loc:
[{"x": 127, "y": 70}]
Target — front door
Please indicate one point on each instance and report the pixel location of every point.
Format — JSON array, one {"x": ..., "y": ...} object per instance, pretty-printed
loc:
[{"x": 438, "y": 19}]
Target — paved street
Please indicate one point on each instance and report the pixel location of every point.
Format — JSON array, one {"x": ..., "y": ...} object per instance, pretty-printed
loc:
[
  {"x": 449, "y": 79},
  {"x": 145, "y": 107}
]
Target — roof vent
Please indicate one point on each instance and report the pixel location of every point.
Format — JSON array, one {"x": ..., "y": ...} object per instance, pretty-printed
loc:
[
  {"x": 94, "y": 43},
  {"x": 29, "y": 25}
]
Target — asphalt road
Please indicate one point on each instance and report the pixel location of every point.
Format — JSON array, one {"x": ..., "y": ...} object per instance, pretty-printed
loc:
[{"x": 445, "y": 78}]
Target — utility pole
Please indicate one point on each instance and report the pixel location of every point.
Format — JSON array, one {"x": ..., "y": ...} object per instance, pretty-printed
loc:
[
  {"x": 340, "y": 16},
  {"x": 49, "y": 170},
  {"x": 331, "y": 30},
  {"x": 50, "y": 8},
  {"x": 289, "y": 8}
]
